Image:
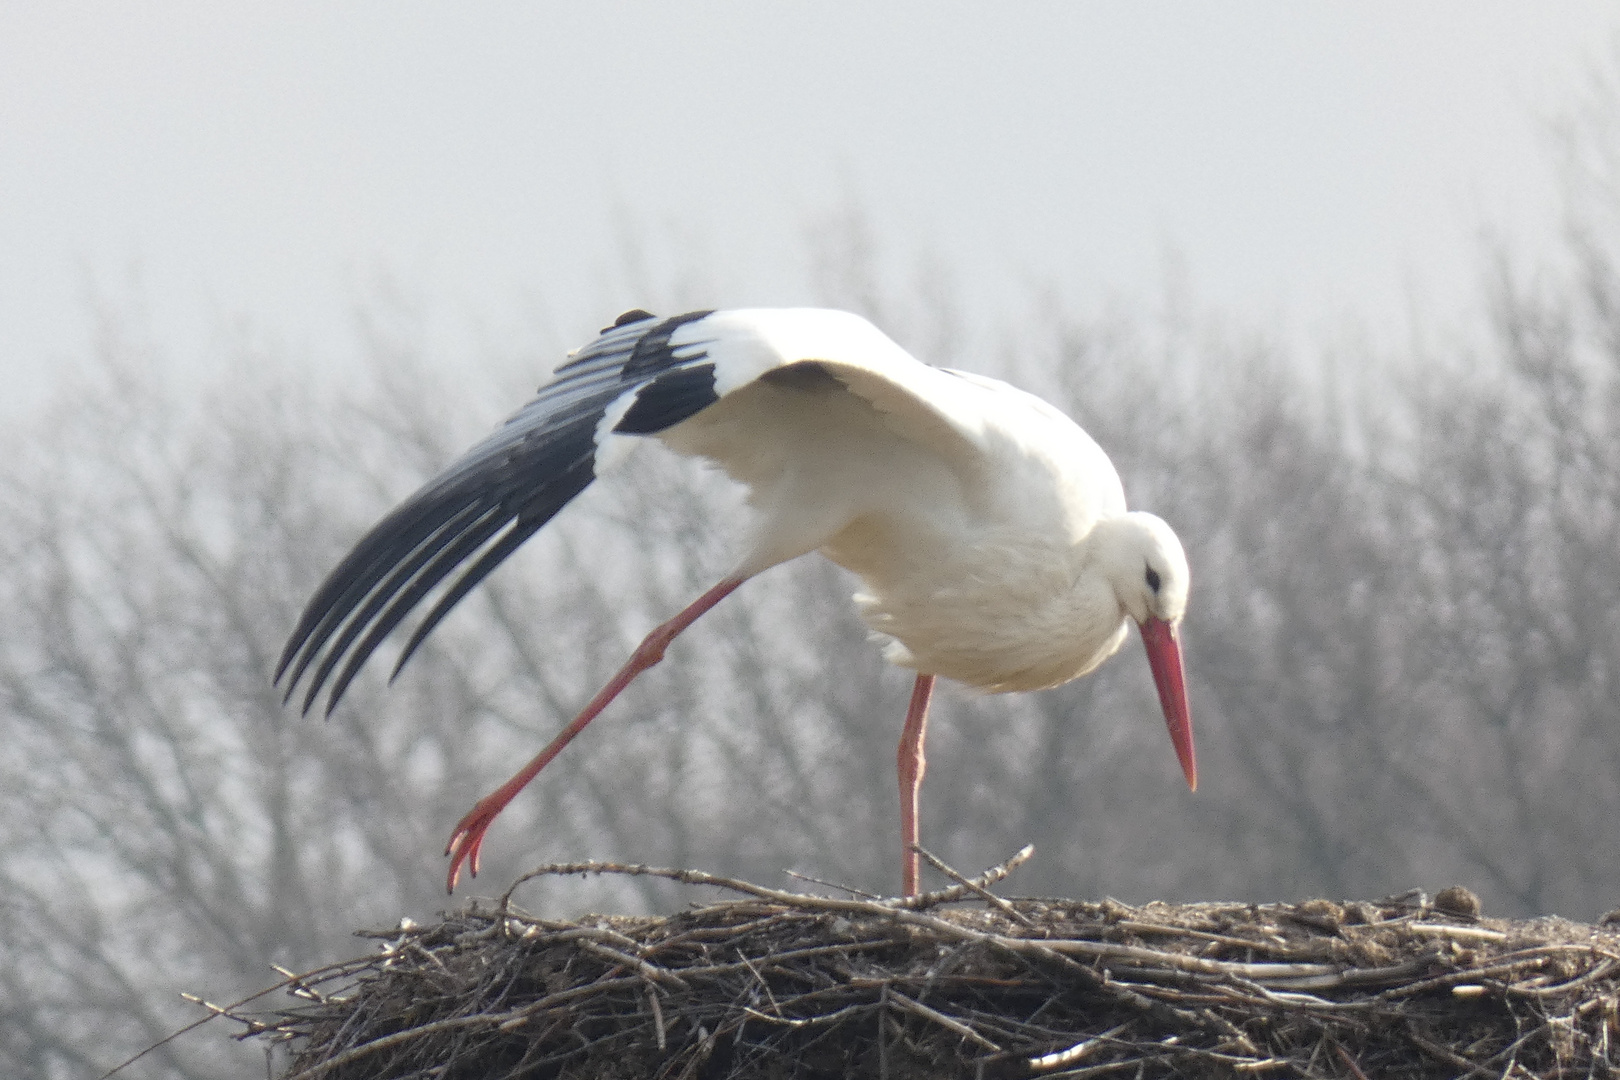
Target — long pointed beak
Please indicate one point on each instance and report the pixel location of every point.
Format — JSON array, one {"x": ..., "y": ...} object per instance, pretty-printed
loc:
[{"x": 1164, "y": 657}]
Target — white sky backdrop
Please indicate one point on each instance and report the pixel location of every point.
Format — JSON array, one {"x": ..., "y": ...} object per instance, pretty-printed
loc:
[{"x": 1308, "y": 165}]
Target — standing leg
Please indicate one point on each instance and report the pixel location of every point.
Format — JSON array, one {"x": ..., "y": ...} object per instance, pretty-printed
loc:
[
  {"x": 912, "y": 763},
  {"x": 469, "y": 834}
]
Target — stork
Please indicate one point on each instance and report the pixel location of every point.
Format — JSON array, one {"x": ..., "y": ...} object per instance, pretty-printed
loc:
[{"x": 989, "y": 531}]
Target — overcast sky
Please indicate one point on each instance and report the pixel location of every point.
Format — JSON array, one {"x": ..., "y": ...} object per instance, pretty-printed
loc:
[{"x": 1309, "y": 164}]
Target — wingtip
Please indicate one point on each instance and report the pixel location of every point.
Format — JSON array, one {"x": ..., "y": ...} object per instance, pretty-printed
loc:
[
  {"x": 288, "y": 651},
  {"x": 334, "y": 696},
  {"x": 309, "y": 700},
  {"x": 405, "y": 655}
]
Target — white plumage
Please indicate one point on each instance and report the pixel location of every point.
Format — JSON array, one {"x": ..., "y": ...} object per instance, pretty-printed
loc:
[{"x": 988, "y": 530}]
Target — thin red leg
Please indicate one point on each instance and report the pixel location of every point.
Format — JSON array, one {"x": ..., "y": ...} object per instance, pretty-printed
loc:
[
  {"x": 469, "y": 834},
  {"x": 912, "y": 763}
]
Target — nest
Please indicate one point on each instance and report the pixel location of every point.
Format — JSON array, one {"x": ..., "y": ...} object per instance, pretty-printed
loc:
[{"x": 964, "y": 983}]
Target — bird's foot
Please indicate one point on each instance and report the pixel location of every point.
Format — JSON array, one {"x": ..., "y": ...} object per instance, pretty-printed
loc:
[{"x": 468, "y": 838}]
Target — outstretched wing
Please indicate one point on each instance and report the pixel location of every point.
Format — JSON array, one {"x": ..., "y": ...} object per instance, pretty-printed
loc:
[
  {"x": 640, "y": 377},
  {"x": 480, "y": 509}
]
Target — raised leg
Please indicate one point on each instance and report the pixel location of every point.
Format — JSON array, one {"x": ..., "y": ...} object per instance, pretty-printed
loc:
[
  {"x": 912, "y": 763},
  {"x": 469, "y": 833}
]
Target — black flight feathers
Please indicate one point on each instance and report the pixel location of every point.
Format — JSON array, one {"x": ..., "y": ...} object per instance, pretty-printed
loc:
[{"x": 480, "y": 509}]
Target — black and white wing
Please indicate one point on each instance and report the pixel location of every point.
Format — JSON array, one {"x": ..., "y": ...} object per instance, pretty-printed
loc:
[
  {"x": 480, "y": 509},
  {"x": 641, "y": 377}
]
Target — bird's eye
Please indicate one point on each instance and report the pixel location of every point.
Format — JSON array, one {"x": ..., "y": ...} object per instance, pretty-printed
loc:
[{"x": 1153, "y": 579}]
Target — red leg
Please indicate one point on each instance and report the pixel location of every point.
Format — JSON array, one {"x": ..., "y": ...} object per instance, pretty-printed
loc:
[
  {"x": 469, "y": 834},
  {"x": 912, "y": 763}
]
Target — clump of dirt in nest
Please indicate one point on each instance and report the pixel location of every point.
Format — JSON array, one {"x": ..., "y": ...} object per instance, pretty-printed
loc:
[{"x": 961, "y": 983}]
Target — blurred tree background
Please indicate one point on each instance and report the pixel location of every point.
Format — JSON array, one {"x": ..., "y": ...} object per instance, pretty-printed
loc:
[{"x": 1403, "y": 651}]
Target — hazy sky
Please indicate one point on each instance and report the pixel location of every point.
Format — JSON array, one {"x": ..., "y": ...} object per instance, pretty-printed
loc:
[{"x": 1308, "y": 163}]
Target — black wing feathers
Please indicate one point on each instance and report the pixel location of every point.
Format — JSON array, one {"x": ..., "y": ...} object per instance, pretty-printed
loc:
[
  {"x": 483, "y": 507},
  {"x": 668, "y": 400}
]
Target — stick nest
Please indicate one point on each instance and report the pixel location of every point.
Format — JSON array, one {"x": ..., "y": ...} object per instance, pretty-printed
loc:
[{"x": 962, "y": 983}]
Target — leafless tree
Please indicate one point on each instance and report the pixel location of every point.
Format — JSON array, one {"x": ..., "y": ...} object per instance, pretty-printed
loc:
[{"x": 1515, "y": 503}]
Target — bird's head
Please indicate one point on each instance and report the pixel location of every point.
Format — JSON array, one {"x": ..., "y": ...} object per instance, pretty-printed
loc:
[
  {"x": 1144, "y": 561},
  {"x": 1147, "y": 567}
]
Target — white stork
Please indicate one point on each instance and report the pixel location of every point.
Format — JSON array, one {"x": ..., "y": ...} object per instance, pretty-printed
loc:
[{"x": 989, "y": 532}]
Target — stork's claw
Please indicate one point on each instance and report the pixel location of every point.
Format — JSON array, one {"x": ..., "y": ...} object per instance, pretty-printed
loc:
[{"x": 468, "y": 839}]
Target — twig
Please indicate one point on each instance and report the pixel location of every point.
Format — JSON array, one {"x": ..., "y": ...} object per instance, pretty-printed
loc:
[
  {"x": 658, "y": 1018},
  {"x": 1140, "y": 927},
  {"x": 1106, "y": 1067},
  {"x": 340, "y": 968},
  {"x": 687, "y": 877},
  {"x": 852, "y": 890},
  {"x": 1465, "y": 933},
  {"x": 1369, "y": 977},
  {"x": 635, "y": 963},
  {"x": 1074, "y": 1053},
  {"x": 296, "y": 985},
  {"x": 1467, "y": 975},
  {"x": 1265, "y": 973},
  {"x": 977, "y": 889},
  {"x": 1350, "y": 1063},
  {"x": 964, "y": 886},
  {"x": 809, "y": 1021},
  {"x": 253, "y": 1026},
  {"x": 915, "y": 1006},
  {"x": 1597, "y": 972},
  {"x": 1434, "y": 1049}
]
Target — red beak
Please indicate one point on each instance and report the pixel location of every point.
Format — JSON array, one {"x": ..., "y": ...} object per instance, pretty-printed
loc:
[{"x": 1164, "y": 657}]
